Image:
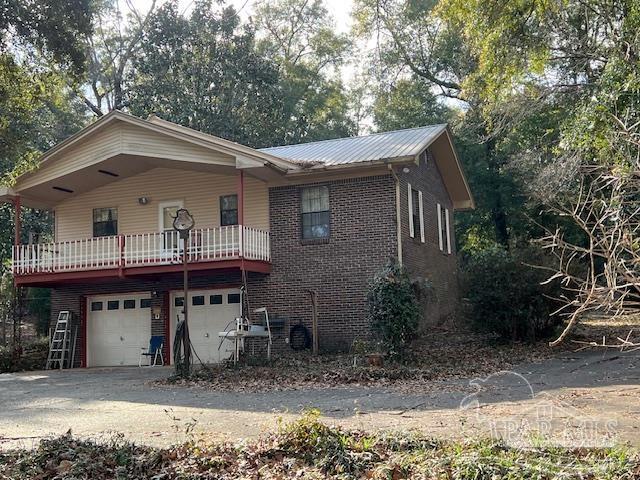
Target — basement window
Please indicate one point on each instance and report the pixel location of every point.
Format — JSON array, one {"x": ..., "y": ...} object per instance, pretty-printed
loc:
[{"x": 105, "y": 222}]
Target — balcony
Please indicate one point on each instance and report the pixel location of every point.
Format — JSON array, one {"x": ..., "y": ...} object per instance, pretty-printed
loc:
[{"x": 145, "y": 253}]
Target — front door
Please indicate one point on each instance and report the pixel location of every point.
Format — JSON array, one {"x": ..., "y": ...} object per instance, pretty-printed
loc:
[{"x": 170, "y": 239}]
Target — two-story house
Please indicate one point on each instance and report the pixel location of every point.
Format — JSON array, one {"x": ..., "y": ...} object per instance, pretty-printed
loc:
[{"x": 283, "y": 221}]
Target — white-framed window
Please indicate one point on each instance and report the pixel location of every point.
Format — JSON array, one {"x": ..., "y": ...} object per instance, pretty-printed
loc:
[
  {"x": 444, "y": 229},
  {"x": 316, "y": 213},
  {"x": 416, "y": 213}
]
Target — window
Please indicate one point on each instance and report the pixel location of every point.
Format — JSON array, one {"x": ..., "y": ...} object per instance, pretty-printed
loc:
[
  {"x": 105, "y": 222},
  {"x": 113, "y": 304},
  {"x": 444, "y": 234},
  {"x": 128, "y": 304},
  {"x": 178, "y": 301},
  {"x": 96, "y": 306},
  {"x": 415, "y": 210},
  {"x": 197, "y": 300},
  {"x": 316, "y": 216},
  {"x": 145, "y": 303},
  {"x": 228, "y": 210},
  {"x": 416, "y": 213},
  {"x": 233, "y": 298},
  {"x": 215, "y": 299}
]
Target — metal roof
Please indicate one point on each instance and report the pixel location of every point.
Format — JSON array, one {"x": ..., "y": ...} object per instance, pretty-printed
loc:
[{"x": 367, "y": 148}]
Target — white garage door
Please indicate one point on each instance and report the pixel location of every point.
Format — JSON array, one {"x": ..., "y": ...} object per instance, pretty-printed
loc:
[
  {"x": 117, "y": 327},
  {"x": 210, "y": 312}
]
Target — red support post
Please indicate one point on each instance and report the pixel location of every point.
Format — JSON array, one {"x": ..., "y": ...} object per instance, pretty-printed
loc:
[
  {"x": 18, "y": 221},
  {"x": 84, "y": 341},
  {"x": 241, "y": 198},
  {"x": 121, "y": 262},
  {"x": 241, "y": 211}
]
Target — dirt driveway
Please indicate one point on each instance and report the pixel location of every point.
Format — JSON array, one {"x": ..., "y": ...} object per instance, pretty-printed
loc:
[{"x": 586, "y": 398}]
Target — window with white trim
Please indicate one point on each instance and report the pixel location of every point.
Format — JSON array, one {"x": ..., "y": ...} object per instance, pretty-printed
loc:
[
  {"x": 444, "y": 229},
  {"x": 316, "y": 214},
  {"x": 416, "y": 213}
]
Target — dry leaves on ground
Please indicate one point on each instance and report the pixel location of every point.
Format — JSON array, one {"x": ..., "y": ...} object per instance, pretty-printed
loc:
[{"x": 447, "y": 355}]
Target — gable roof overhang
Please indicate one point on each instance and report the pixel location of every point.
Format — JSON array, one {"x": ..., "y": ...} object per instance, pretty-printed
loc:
[{"x": 119, "y": 145}]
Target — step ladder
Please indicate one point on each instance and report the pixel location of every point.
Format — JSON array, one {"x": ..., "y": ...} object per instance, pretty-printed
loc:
[{"x": 62, "y": 344}]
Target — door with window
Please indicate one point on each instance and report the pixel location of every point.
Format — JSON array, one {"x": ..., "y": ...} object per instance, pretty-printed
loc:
[{"x": 170, "y": 240}]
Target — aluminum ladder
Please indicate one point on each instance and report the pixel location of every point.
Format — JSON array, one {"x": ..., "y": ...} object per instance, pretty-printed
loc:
[{"x": 60, "y": 342}]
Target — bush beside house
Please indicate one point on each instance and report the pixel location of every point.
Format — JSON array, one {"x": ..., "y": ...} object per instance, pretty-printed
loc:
[
  {"x": 505, "y": 295},
  {"x": 394, "y": 311}
]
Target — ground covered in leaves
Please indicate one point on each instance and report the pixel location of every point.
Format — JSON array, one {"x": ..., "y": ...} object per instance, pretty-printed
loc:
[
  {"x": 445, "y": 355},
  {"x": 309, "y": 449}
]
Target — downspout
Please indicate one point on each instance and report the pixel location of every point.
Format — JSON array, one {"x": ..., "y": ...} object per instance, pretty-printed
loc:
[{"x": 398, "y": 214}]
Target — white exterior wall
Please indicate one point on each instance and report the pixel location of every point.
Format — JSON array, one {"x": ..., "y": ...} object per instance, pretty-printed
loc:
[{"x": 200, "y": 193}]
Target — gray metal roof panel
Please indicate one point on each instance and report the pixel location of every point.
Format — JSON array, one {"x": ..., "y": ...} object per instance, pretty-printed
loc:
[{"x": 367, "y": 148}]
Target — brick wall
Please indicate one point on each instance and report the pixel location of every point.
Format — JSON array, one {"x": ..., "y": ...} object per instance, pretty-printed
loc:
[
  {"x": 363, "y": 239},
  {"x": 425, "y": 261}
]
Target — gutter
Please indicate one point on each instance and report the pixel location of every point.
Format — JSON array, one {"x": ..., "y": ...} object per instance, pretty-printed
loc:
[{"x": 398, "y": 214}]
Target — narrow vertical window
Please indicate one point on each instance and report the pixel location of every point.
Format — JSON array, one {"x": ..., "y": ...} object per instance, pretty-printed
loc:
[
  {"x": 316, "y": 214},
  {"x": 448, "y": 229},
  {"x": 440, "y": 227},
  {"x": 410, "y": 207},
  {"x": 105, "y": 222},
  {"x": 228, "y": 210},
  {"x": 421, "y": 210}
]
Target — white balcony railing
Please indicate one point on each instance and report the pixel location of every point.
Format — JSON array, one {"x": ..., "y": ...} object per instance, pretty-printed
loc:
[{"x": 158, "y": 248}]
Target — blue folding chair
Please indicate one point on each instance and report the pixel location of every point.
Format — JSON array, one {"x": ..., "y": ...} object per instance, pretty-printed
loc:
[{"x": 153, "y": 351}]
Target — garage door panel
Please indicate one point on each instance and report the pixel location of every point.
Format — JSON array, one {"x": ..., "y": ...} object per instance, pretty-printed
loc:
[
  {"x": 209, "y": 313},
  {"x": 116, "y": 335}
]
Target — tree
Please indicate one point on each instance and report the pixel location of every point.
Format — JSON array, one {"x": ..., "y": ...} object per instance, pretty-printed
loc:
[
  {"x": 578, "y": 58},
  {"x": 110, "y": 51},
  {"x": 54, "y": 26},
  {"x": 203, "y": 72},
  {"x": 406, "y": 104},
  {"x": 300, "y": 36}
]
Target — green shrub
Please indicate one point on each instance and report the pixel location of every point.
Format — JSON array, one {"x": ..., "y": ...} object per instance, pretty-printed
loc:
[
  {"x": 504, "y": 294},
  {"x": 394, "y": 311},
  {"x": 32, "y": 357}
]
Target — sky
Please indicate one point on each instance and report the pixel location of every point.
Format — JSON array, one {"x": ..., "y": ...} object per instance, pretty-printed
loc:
[{"x": 340, "y": 9}]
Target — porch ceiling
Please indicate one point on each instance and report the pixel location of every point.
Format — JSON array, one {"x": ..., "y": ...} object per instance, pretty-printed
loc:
[{"x": 63, "y": 187}]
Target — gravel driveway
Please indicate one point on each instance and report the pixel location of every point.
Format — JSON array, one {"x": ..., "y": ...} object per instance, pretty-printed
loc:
[{"x": 584, "y": 398}]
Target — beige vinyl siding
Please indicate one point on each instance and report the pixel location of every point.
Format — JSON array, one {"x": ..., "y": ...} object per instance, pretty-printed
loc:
[
  {"x": 200, "y": 193},
  {"x": 118, "y": 139}
]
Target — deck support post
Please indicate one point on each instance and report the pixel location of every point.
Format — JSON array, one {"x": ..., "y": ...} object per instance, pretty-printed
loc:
[{"x": 17, "y": 203}]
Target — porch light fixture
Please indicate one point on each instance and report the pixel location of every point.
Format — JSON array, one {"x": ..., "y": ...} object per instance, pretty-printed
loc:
[
  {"x": 143, "y": 200},
  {"x": 183, "y": 223}
]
